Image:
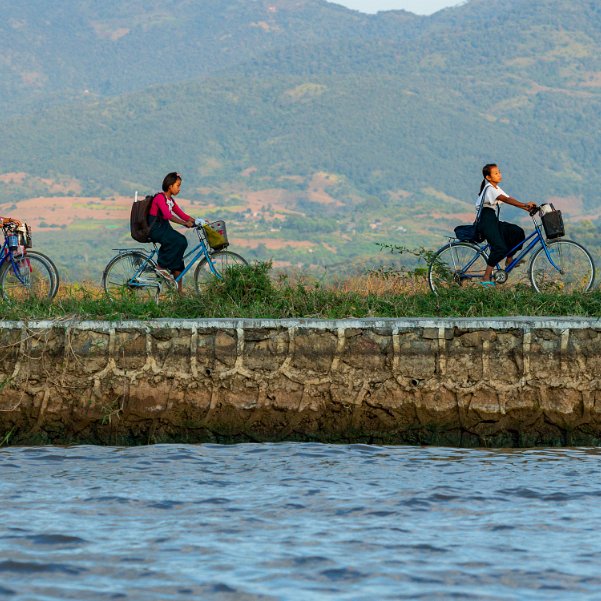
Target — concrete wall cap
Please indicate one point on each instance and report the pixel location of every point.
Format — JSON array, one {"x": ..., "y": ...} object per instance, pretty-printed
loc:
[{"x": 398, "y": 324}]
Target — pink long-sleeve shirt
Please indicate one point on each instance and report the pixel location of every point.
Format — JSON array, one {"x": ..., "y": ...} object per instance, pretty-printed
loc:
[{"x": 166, "y": 208}]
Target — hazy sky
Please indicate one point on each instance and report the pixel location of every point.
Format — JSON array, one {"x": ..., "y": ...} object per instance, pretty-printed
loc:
[{"x": 420, "y": 7}]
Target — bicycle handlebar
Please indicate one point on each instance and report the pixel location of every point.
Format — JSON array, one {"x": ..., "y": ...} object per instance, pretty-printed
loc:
[
  {"x": 10, "y": 225},
  {"x": 534, "y": 211}
]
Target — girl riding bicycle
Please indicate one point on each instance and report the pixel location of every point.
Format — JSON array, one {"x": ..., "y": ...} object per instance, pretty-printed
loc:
[
  {"x": 501, "y": 235},
  {"x": 173, "y": 244}
]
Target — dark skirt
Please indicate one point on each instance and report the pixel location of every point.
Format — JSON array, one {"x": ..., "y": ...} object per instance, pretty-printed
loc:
[
  {"x": 502, "y": 236},
  {"x": 173, "y": 244}
]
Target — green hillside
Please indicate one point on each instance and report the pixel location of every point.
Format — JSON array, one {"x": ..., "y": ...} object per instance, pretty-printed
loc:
[
  {"x": 64, "y": 50},
  {"x": 374, "y": 130},
  {"x": 401, "y": 111}
]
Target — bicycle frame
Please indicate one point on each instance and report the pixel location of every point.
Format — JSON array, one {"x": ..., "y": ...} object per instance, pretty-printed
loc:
[
  {"x": 7, "y": 255},
  {"x": 200, "y": 250},
  {"x": 531, "y": 242}
]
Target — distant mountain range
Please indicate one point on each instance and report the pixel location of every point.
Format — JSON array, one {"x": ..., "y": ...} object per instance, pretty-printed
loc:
[{"x": 243, "y": 96}]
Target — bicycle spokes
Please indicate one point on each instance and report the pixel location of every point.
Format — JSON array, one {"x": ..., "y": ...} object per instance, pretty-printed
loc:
[
  {"x": 456, "y": 264},
  {"x": 563, "y": 266},
  {"x": 26, "y": 277}
]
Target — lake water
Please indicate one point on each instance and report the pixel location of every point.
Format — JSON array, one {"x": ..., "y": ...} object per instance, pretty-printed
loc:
[{"x": 298, "y": 521}]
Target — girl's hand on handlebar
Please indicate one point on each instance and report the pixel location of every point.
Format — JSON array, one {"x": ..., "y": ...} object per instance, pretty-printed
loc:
[{"x": 531, "y": 207}]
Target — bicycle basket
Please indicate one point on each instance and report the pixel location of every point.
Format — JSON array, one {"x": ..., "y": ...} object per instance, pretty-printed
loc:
[
  {"x": 553, "y": 224},
  {"x": 216, "y": 235},
  {"x": 24, "y": 233},
  {"x": 12, "y": 241}
]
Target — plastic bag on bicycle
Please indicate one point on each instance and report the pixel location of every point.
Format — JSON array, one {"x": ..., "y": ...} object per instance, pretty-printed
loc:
[
  {"x": 552, "y": 222},
  {"x": 216, "y": 235},
  {"x": 24, "y": 233}
]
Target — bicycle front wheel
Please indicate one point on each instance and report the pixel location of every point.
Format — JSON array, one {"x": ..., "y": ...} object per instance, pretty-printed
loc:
[
  {"x": 130, "y": 275},
  {"x": 456, "y": 264},
  {"x": 30, "y": 278},
  {"x": 571, "y": 270},
  {"x": 55, "y": 274},
  {"x": 222, "y": 260}
]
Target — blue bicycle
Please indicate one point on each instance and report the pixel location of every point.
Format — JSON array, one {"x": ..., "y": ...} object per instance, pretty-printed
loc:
[
  {"x": 25, "y": 274},
  {"x": 133, "y": 272},
  {"x": 555, "y": 266}
]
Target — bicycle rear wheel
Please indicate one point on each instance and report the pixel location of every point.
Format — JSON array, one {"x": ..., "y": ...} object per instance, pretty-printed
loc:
[
  {"x": 130, "y": 275},
  {"x": 55, "y": 274},
  {"x": 30, "y": 278},
  {"x": 222, "y": 260},
  {"x": 456, "y": 264},
  {"x": 575, "y": 271}
]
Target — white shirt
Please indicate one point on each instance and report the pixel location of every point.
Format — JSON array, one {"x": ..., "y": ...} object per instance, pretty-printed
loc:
[{"x": 490, "y": 197}]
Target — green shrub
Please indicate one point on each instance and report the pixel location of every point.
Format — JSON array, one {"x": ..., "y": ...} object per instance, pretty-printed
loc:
[
  {"x": 243, "y": 284},
  {"x": 249, "y": 292}
]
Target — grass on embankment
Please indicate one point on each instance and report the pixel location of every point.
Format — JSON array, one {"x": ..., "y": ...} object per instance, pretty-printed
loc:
[{"x": 250, "y": 292}]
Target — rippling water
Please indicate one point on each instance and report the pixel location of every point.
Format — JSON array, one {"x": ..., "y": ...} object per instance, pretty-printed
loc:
[{"x": 298, "y": 521}]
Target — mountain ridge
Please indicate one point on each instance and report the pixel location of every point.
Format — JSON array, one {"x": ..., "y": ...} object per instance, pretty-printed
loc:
[{"x": 401, "y": 111}]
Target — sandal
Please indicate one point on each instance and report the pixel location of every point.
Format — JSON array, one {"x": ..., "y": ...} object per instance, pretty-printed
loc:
[
  {"x": 165, "y": 273},
  {"x": 488, "y": 284}
]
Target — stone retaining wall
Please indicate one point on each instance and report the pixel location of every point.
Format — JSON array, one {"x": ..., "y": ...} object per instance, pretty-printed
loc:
[{"x": 462, "y": 382}]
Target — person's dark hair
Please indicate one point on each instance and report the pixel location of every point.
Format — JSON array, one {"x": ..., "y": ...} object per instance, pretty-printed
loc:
[
  {"x": 170, "y": 179},
  {"x": 485, "y": 173}
]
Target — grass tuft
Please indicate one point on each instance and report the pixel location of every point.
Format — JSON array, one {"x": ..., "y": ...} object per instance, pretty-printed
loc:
[{"x": 250, "y": 291}]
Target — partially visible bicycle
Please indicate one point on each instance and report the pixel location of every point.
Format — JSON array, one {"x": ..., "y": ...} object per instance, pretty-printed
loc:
[
  {"x": 25, "y": 273},
  {"x": 556, "y": 265},
  {"x": 133, "y": 272}
]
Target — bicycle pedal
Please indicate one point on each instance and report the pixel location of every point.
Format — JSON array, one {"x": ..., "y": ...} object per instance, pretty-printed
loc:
[{"x": 500, "y": 276}]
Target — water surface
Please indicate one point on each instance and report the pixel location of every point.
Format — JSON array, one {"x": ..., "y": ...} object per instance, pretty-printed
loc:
[{"x": 298, "y": 521}]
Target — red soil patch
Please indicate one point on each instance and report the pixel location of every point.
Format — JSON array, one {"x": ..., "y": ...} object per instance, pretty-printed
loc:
[
  {"x": 272, "y": 243},
  {"x": 593, "y": 80},
  {"x": 572, "y": 205},
  {"x": 274, "y": 198},
  {"x": 68, "y": 186},
  {"x": 59, "y": 211},
  {"x": 317, "y": 190},
  {"x": 65, "y": 186},
  {"x": 13, "y": 178}
]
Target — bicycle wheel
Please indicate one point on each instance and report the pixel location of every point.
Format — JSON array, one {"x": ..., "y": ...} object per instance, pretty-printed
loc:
[
  {"x": 222, "y": 260},
  {"x": 119, "y": 281},
  {"x": 575, "y": 270},
  {"x": 456, "y": 264},
  {"x": 55, "y": 275},
  {"x": 30, "y": 278}
]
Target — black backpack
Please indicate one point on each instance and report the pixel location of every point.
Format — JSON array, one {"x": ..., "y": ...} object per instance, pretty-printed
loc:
[
  {"x": 471, "y": 233},
  {"x": 138, "y": 219}
]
